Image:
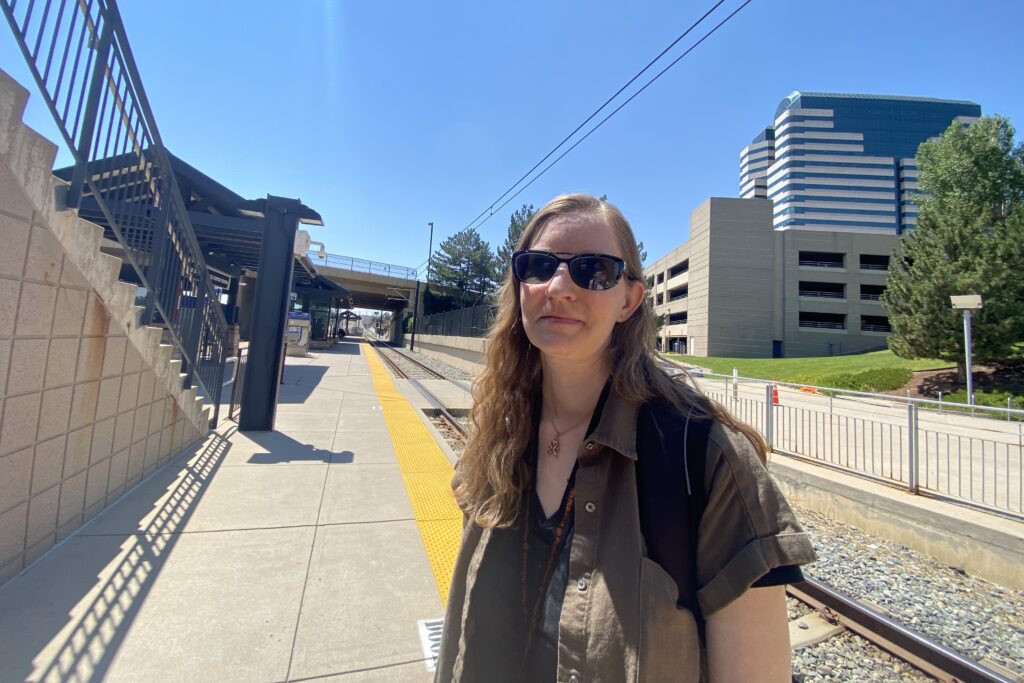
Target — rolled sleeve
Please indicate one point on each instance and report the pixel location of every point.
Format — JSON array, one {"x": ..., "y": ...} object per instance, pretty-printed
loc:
[{"x": 747, "y": 529}]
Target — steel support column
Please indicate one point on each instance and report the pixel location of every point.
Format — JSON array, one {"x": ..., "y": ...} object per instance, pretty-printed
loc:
[{"x": 269, "y": 315}]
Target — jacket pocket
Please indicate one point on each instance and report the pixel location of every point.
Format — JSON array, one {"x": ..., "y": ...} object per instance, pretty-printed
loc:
[{"x": 669, "y": 645}]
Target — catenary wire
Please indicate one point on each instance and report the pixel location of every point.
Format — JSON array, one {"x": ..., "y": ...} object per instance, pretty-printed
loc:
[
  {"x": 616, "y": 110},
  {"x": 618, "y": 92}
]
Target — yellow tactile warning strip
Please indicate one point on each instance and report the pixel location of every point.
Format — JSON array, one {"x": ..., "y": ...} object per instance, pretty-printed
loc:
[{"x": 426, "y": 472}]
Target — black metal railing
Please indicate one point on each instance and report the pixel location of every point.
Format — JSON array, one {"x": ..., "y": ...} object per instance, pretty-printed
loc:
[
  {"x": 814, "y": 263},
  {"x": 238, "y": 386},
  {"x": 79, "y": 55},
  {"x": 475, "y": 321},
  {"x": 362, "y": 265},
  {"x": 822, "y": 325}
]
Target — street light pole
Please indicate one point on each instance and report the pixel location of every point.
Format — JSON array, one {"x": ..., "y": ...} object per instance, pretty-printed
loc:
[
  {"x": 416, "y": 301},
  {"x": 430, "y": 251},
  {"x": 967, "y": 346},
  {"x": 967, "y": 303}
]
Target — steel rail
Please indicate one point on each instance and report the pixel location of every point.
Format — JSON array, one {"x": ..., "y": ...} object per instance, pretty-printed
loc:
[
  {"x": 432, "y": 398},
  {"x": 931, "y": 657}
]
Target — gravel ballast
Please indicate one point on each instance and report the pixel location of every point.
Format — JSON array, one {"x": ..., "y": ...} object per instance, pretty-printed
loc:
[{"x": 972, "y": 616}]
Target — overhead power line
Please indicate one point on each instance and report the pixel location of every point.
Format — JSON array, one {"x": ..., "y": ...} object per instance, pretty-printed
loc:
[{"x": 487, "y": 213}]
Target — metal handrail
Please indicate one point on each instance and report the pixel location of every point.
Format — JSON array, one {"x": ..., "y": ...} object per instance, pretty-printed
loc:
[
  {"x": 822, "y": 294},
  {"x": 822, "y": 325},
  {"x": 362, "y": 265},
  {"x": 821, "y": 264},
  {"x": 937, "y": 448},
  {"x": 82, "y": 62}
]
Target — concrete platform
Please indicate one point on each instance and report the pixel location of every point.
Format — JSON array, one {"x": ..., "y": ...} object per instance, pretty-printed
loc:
[{"x": 291, "y": 555}]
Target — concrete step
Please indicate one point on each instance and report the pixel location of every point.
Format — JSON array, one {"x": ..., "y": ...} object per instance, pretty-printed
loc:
[
  {"x": 110, "y": 270},
  {"x": 13, "y": 99},
  {"x": 31, "y": 160}
]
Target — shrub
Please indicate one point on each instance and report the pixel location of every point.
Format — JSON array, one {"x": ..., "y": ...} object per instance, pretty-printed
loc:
[{"x": 876, "y": 379}]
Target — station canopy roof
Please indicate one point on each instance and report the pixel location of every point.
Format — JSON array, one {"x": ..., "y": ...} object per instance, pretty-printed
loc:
[{"x": 228, "y": 227}]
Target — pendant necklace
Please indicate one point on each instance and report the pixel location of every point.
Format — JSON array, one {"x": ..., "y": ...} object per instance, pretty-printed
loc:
[{"x": 553, "y": 445}]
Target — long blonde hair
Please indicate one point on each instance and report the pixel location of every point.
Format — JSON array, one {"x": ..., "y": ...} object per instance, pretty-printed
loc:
[{"x": 493, "y": 474}]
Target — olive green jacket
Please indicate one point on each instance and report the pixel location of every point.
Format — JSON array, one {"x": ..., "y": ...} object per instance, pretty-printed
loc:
[{"x": 620, "y": 620}]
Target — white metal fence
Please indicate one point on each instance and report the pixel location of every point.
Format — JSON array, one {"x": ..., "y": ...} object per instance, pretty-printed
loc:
[{"x": 924, "y": 446}]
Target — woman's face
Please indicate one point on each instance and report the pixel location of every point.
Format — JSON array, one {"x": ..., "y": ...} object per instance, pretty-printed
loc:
[{"x": 561, "y": 318}]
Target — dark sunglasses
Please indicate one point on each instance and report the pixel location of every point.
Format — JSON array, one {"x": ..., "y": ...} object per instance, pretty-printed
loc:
[{"x": 589, "y": 271}]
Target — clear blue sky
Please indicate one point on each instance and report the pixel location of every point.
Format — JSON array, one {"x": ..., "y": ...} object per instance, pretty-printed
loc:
[{"x": 384, "y": 116}]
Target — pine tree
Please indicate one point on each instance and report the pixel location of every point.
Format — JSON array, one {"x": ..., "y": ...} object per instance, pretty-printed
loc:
[
  {"x": 465, "y": 263},
  {"x": 967, "y": 241},
  {"x": 516, "y": 224}
]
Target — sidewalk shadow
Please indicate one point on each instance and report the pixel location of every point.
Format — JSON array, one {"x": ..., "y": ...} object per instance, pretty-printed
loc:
[
  {"x": 85, "y": 637},
  {"x": 282, "y": 449},
  {"x": 346, "y": 346},
  {"x": 298, "y": 382}
]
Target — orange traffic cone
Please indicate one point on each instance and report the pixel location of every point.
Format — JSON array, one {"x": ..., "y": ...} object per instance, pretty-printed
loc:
[{"x": 775, "y": 393}]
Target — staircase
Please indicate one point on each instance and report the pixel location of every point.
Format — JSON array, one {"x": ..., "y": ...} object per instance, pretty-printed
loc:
[{"x": 30, "y": 157}]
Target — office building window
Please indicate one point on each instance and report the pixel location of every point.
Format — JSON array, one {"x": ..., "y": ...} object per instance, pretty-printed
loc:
[
  {"x": 874, "y": 323},
  {"x": 826, "y": 290},
  {"x": 874, "y": 262},
  {"x": 679, "y": 268},
  {"x": 871, "y": 292},
  {"x": 825, "y": 321},
  {"x": 822, "y": 259}
]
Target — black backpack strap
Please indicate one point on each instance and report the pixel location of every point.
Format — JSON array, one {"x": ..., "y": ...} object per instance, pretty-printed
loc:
[
  {"x": 672, "y": 450},
  {"x": 695, "y": 446}
]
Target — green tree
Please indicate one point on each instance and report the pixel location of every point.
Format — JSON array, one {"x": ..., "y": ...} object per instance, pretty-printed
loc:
[
  {"x": 967, "y": 241},
  {"x": 464, "y": 262},
  {"x": 516, "y": 224}
]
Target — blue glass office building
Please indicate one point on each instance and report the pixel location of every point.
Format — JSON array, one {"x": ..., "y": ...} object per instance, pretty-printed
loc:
[{"x": 845, "y": 162}]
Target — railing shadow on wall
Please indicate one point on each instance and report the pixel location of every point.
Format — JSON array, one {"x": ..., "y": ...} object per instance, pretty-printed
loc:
[
  {"x": 55, "y": 647},
  {"x": 82, "y": 63}
]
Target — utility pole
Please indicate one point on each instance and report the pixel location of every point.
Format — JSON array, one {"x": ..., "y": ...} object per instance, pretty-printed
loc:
[
  {"x": 416, "y": 301},
  {"x": 430, "y": 252}
]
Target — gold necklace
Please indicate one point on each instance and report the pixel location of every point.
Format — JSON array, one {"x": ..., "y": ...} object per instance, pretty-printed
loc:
[{"x": 553, "y": 445}]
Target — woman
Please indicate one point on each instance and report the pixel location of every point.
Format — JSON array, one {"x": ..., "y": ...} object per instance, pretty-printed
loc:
[{"x": 619, "y": 525}]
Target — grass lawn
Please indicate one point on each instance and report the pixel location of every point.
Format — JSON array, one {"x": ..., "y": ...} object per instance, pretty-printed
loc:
[{"x": 809, "y": 370}]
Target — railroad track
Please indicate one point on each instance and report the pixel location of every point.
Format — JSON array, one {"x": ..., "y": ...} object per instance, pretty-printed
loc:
[
  {"x": 392, "y": 357},
  {"x": 388, "y": 355},
  {"x": 929, "y": 656}
]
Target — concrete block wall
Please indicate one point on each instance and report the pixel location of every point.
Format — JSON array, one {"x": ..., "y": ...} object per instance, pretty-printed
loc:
[
  {"x": 464, "y": 353},
  {"x": 29, "y": 159},
  {"x": 82, "y": 418},
  {"x": 84, "y": 413}
]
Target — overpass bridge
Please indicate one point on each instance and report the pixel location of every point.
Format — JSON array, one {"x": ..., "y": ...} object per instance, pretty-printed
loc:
[{"x": 373, "y": 285}]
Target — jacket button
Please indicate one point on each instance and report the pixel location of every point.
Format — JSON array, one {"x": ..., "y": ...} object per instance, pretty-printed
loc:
[
  {"x": 590, "y": 506},
  {"x": 582, "y": 584},
  {"x": 590, "y": 446},
  {"x": 573, "y": 678}
]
